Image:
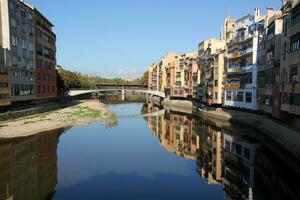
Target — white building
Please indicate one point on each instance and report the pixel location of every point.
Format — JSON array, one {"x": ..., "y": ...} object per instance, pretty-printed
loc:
[
  {"x": 17, "y": 35},
  {"x": 241, "y": 84}
]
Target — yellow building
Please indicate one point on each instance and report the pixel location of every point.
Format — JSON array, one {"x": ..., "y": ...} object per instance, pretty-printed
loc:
[{"x": 211, "y": 55}]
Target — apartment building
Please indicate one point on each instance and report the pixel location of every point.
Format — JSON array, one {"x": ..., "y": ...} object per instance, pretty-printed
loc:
[
  {"x": 268, "y": 64},
  {"x": 17, "y": 36},
  {"x": 45, "y": 57},
  {"x": 153, "y": 77},
  {"x": 290, "y": 60},
  {"x": 211, "y": 54},
  {"x": 185, "y": 65},
  {"x": 241, "y": 83},
  {"x": 167, "y": 64}
]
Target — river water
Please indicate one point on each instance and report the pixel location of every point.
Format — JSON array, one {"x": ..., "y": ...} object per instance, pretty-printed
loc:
[{"x": 165, "y": 155}]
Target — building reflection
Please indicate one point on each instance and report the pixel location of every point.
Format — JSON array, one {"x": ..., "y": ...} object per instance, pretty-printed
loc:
[
  {"x": 245, "y": 168},
  {"x": 28, "y": 167}
]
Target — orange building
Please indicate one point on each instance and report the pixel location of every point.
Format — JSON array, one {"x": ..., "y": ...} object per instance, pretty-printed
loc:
[{"x": 45, "y": 57}]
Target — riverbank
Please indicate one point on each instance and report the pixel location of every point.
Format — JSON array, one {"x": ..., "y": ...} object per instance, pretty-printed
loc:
[{"x": 80, "y": 113}]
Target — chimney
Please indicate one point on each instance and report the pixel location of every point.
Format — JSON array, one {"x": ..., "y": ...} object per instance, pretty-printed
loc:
[
  {"x": 257, "y": 12},
  {"x": 270, "y": 12}
]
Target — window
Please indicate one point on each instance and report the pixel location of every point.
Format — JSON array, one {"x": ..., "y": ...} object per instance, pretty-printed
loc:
[
  {"x": 216, "y": 83},
  {"x": 228, "y": 95},
  {"x": 3, "y": 85},
  {"x": 295, "y": 45},
  {"x": 248, "y": 97},
  {"x": 12, "y": 6},
  {"x": 3, "y": 70},
  {"x": 227, "y": 145},
  {"x": 240, "y": 96},
  {"x": 234, "y": 96},
  {"x": 216, "y": 96},
  {"x": 247, "y": 153},
  {"x": 4, "y": 96},
  {"x": 44, "y": 89},
  {"x": 39, "y": 89},
  {"x": 246, "y": 172},
  {"x": 294, "y": 74},
  {"x": 30, "y": 16},
  {"x": 284, "y": 51},
  {"x": 295, "y": 18},
  {"x": 238, "y": 149},
  {"x": 16, "y": 90}
]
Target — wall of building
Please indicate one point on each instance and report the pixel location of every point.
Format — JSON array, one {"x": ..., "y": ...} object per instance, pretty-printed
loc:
[{"x": 45, "y": 58}]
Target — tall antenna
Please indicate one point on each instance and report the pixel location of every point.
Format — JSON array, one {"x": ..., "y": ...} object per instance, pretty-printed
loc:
[{"x": 229, "y": 13}]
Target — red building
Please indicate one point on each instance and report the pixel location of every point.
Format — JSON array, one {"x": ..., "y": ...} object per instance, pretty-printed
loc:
[{"x": 45, "y": 58}]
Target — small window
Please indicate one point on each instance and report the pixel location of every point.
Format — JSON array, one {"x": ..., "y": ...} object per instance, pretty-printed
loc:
[
  {"x": 227, "y": 145},
  {"x": 238, "y": 149},
  {"x": 3, "y": 85},
  {"x": 228, "y": 95},
  {"x": 234, "y": 96},
  {"x": 247, "y": 153},
  {"x": 240, "y": 96},
  {"x": 248, "y": 97}
]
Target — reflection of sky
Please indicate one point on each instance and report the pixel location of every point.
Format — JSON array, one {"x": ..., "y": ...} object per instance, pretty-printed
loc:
[
  {"x": 129, "y": 148},
  {"x": 126, "y": 109},
  {"x": 126, "y": 156}
]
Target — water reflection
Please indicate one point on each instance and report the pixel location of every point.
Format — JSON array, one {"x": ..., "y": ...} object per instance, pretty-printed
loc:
[
  {"x": 28, "y": 167},
  {"x": 197, "y": 161},
  {"x": 244, "y": 167}
]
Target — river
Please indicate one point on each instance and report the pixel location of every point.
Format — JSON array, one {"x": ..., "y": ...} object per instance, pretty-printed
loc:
[{"x": 159, "y": 156}]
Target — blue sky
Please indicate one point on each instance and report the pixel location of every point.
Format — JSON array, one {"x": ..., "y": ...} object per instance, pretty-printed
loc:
[{"x": 121, "y": 38}]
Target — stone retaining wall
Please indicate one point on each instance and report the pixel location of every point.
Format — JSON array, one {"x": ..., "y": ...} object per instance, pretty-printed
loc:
[{"x": 27, "y": 112}]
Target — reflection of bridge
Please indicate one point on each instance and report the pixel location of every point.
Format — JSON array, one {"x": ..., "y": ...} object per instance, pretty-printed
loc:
[
  {"x": 153, "y": 114},
  {"x": 112, "y": 87}
]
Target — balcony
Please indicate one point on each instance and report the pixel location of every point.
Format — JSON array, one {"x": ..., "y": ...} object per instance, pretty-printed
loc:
[
  {"x": 233, "y": 85},
  {"x": 234, "y": 70},
  {"x": 294, "y": 29},
  {"x": 247, "y": 51},
  {"x": 247, "y": 68},
  {"x": 293, "y": 109},
  {"x": 5, "y": 57}
]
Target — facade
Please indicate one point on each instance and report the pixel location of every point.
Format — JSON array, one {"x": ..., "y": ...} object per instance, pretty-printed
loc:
[
  {"x": 5, "y": 64},
  {"x": 241, "y": 83},
  {"x": 17, "y": 36},
  {"x": 27, "y": 54},
  {"x": 184, "y": 65},
  {"x": 290, "y": 60},
  {"x": 211, "y": 54},
  {"x": 166, "y": 67},
  {"x": 45, "y": 57},
  {"x": 269, "y": 54},
  {"x": 153, "y": 77}
]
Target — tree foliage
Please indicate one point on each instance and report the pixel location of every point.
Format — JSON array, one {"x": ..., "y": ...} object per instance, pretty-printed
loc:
[{"x": 67, "y": 80}]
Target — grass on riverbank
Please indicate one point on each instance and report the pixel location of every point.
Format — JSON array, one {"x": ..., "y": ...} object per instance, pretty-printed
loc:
[{"x": 74, "y": 113}]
